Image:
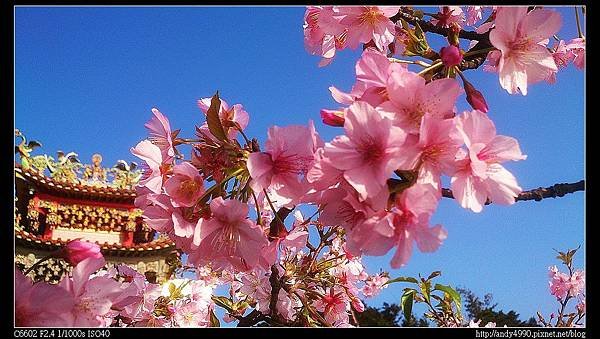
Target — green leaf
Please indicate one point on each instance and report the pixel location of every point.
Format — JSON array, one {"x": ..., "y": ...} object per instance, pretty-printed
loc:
[
  {"x": 241, "y": 305},
  {"x": 214, "y": 321},
  {"x": 425, "y": 290},
  {"x": 451, "y": 292},
  {"x": 212, "y": 118},
  {"x": 434, "y": 274},
  {"x": 407, "y": 302},
  {"x": 224, "y": 302},
  {"x": 402, "y": 279}
]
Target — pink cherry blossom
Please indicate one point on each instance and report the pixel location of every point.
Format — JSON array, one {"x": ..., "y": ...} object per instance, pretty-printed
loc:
[
  {"x": 374, "y": 285},
  {"x": 323, "y": 32},
  {"x": 228, "y": 116},
  {"x": 435, "y": 149},
  {"x": 77, "y": 250},
  {"x": 155, "y": 165},
  {"x": 132, "y": 300},
  {"x": 348, "y": 272},
  {"x": 373, "y": 235},
  {"x": 577, "y": 47},
  {"x": 366, "y": 23},
  {"x": 479, "y": 173},
  {"x": 492, "y": 61},
  {"x": 191, "y": 314},
  {"x": 159, "y": 215},
  {"x": 256, "y": 285},
  {"x": 562, "y": 56},
  {"x": 412, "y": 210},
  {"x": 401, "y": 40},
  {"x": 160, "y": 133},
  {"x": 40, "y": 304},
  {"x": 449, "y": 16},
  {"x": 372, "y": 72},
  {"x": 185, "y": 187},
  {"x": 322, "y": 174},
  {"x": 478, "y": 322},
  {"x": 368, "y": 153},
  {"x": 411, "y": 98},
  {"x": 560, "y": 283},
  {"x": 185, "y": 224},
  {"x": 474, "y": 14},
  {"x": 287, "y": 304},
  {"x": 94, "y": 296},
  {"x": 577, "y": 282},
  {"x": 142, "y": 312},
  {"x": 334, "y": 304},
  {"x": 520, "y": 36},
  {"x": 338, "y": 211},
  {"x": 181, "y": 224},
  {"x": 297, "y": 237},
  {"x": 289, "y": 154},
  {"x": 229, "y": 236}
]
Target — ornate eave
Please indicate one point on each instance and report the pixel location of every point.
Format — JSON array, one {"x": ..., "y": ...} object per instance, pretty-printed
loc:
[
  {"x": 74, "y": 190},
  {"x": 158, "y": 246}
]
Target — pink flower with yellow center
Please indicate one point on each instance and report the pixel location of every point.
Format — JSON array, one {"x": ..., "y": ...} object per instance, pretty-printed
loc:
[
  {"x": 369, "y": 152},
  {"x": 228, "y": 237},
  {"x": 521, "y": 37},
  {"x": 366, "y": 23},
  {"x": 185, "y": 187}
]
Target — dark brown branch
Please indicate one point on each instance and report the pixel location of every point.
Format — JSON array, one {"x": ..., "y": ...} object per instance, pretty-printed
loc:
[
  {"x": 251, "y": 319},
  {"x": 275, "y": 287},
  {"x": 427, "y": 26},
  {"x": 472, "y": 62},
  {"x": 276, "y": 227},
  {"x": 557, "y": 190}
]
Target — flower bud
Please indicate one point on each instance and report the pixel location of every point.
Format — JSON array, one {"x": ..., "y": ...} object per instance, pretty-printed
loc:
[
  {"x": 332, "y": 117},
  {"x": 451, "y": 56},
  {"x": 77, "y": 250},
  {"x": 453, "y": 34},
  {"x": 475, "y": 98}
]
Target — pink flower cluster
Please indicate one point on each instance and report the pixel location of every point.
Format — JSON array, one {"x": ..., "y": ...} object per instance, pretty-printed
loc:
[
  {"x": 93, "y": 296},
  {"x": 396, "y": 122},
  {"x": 522, "y": 56},
  {"x": 563, "y": 285},
  {"x": 82, "y": 299},
  {"x": 331, "y": 28},
  {"x": 220, "y": 233}
]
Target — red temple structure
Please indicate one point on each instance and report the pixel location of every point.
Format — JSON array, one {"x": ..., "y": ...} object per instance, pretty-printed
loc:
[{"x": 60, "y": 200}]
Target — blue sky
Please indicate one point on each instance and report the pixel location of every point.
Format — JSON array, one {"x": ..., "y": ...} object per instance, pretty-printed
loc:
[{"x": 86, "y": 79}]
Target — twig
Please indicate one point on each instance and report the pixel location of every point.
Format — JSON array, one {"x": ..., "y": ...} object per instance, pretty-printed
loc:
[
  {"x": 427, "y": 26},
  {"x": 578, "y": 24},
  {"x": 556, "y": 190}
]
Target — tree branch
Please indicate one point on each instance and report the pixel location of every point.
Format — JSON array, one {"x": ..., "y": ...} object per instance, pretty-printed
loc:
[
  {"x": 275, "y": 287},
  {"x": 556, "y": 190},
  {"x": 427, "y": 26}
]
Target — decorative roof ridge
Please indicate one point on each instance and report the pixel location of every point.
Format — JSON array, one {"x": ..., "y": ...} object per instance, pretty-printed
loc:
[
  {"x": 75, "y": 187},
  {"x": 156, "y": 244},
  {"x": 68, "y": 170}
]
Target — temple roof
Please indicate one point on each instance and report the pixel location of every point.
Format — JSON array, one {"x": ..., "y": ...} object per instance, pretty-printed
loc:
[
  {"x": 75, "y": 189},
  {"x": 62, "y": 198},
  {"x": 157, "y": 246},
  {"x": 67, "y": 176}
]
